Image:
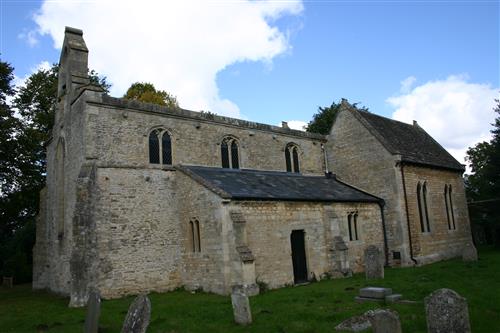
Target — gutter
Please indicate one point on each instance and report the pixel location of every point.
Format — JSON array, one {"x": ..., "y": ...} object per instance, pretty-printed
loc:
[
  {"x": 386, "y": 248},
  {"x": 407, "y": 213}
]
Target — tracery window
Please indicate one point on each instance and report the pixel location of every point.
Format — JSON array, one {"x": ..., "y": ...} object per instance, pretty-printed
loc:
[
  {"x": 449, "y": 207},
  {"x": 292, "y": 158},
  {"x": 159, "y": 148},
  {"x": 423, "y": 211},
  {"x": 230, "y": 153}
]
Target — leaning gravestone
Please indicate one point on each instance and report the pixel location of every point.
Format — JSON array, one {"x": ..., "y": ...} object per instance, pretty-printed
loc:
[
  {"x": 241, "y": 306},
  {"x": 138, "y": 315},
  {"x": 374, "y": 263},
  {"x": 384, "y": 321},
  {"x": 446, "y": 312},
  {"x": 93, "y": 313},
  {"x": 469, "y": 253}
]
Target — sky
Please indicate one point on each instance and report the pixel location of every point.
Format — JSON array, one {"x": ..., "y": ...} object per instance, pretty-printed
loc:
[{"x": 436, "y": 62}]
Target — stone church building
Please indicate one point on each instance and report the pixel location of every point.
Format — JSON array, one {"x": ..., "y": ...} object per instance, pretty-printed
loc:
[{"x": 141, "y": 197}]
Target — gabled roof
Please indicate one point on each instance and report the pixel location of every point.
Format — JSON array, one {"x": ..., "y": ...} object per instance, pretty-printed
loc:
[
  {"x": 410, "y": 141},
  {"x": 245, "y": 184}
]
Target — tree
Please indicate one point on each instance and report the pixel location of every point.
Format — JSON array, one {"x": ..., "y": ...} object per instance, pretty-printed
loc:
[
  {"x": 23, "y": 161},
  {"x": 323, "y": 120},
  {"x": 146, "y": 92},
  {"x": 483, "y": 185}
]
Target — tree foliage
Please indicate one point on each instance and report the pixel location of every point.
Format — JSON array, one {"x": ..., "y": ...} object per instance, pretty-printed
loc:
[
  {"x": 26, "y": 125},
  {"x": 323, "y": 120},
  {"x": 146, "y": 92},
  {"x": 483, "y": 185}
]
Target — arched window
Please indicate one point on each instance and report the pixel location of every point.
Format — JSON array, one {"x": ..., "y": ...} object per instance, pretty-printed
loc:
[
  {"x": 59, "y": 177},
  {"x": 424, "y": 191},
  {"x": 230, "y": 153},
  {"x": 292, "y": 158},
  {"x": 156, "y": 149},
  {"x": 194, "y": 233},
  {"x": 352, "y": 225},
  {"x": 166, "y": 148},
  {"x": 449, "y": 207},
  {"x": 446, "y": 206},
  {"x": 422, "y": 207}
]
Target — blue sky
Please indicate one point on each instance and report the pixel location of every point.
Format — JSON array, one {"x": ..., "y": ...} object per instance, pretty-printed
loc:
[{"x": 447, "y": 51}]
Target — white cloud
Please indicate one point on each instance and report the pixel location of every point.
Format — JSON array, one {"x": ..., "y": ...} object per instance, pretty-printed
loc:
[
  {"x": 297, "y": 125},
  {"x": 457, "y": 113},
  {"x": 407, "y": 83},
  {"x": 30, "y": 37},
  {"x": 179, "y": 46}
]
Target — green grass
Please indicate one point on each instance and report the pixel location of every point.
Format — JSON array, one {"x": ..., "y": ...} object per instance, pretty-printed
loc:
[{"x": 316, "y": 307}]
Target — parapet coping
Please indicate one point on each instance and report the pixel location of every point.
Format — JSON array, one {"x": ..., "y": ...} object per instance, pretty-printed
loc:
[{"x": 206, "y": 117}]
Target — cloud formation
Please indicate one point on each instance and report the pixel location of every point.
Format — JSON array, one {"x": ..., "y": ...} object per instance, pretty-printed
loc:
[
  {"x": 179, "y": 46},
  {"x": 457, "y": 113}
]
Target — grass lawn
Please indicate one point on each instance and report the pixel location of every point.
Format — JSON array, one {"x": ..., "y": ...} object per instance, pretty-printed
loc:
[{"x": 316, "y": 307}]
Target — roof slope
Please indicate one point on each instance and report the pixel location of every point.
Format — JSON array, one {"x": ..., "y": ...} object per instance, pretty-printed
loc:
[
  {"x": 410, "y": 141},
  {"x": 245, "y": 184}
]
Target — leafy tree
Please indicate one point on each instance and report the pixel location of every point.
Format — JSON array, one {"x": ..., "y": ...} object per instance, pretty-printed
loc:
[
  {"x": 146, "y": 92},
  {"x": 483, "y": 185},
  {"x": 23, "y": 162},
  {"x": 323, "y": 120}
]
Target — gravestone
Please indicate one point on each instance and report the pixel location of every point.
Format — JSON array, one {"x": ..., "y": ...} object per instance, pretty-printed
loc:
[
  {"x": 138, "y": 315},
  {"x": 469, "y": 253},
  {"x": 241, "y": 306},
  {"x": 93, "y": 313},
  {"x": 374, "y": 263},
  {"x": 384, "y": 321},
  {"x": 354, "y": 324},
  {"x": 446, "y": 311},
  {"x": 8, "y": 281}
]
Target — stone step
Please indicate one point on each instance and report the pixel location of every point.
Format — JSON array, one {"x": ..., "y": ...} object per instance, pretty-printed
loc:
[
  {"x": 393, "y": 298},
  {"x": 360, "y": 299},
  {"x": 375, "y": 292}
]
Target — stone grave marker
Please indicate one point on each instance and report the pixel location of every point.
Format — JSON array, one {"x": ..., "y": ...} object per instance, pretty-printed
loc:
[
  {"x": 8, "y": 281},
  {"x": 446, "y": 311},
  {"x": 138, "y": 315},
  {"x": 354, "y": 324},
  {"x": 384, "y": 321},
  {"x": 374, "y": 263},
  {"x": 241, "y": 306},
  {"x": 93, "y": 313},
  {"x": 469, "y": 253}
]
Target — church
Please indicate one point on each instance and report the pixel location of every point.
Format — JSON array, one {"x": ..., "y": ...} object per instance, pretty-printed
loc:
[{"x": 142, "y": 197}]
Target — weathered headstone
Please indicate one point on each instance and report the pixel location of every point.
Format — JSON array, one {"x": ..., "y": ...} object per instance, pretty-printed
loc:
[
  {"x": 469, "y": 253},
  {"x": 93, "y": 313},
  {"x": 241, "y": 306},
  {"x": 354, "y": 324},
  {"x": 8, "y": 281},
  {"x": 384, "y": 321},
  {"x": 374, "y": 263},
  {"x": 446, "y": 311},
  {"x": 138, "y": 315}
]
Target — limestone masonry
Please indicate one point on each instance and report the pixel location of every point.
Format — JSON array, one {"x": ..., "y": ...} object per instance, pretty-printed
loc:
[{"x": 141, "y": 197}]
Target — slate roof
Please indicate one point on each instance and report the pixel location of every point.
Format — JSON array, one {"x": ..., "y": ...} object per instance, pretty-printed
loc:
[
  {"x": 410, "y": 141},
  {"x": 245, "y": 184}
]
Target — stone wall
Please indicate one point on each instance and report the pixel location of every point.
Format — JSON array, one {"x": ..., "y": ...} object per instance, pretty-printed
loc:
[
  {"x": 194, "y": 141},
  {"x": 270, "y": 224},
  {"x": 441, "y": 242},
  {"x": 208, "y": 268},
  {"x": 359, "y": 159},
  {"x": 138, "y": 231}
]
